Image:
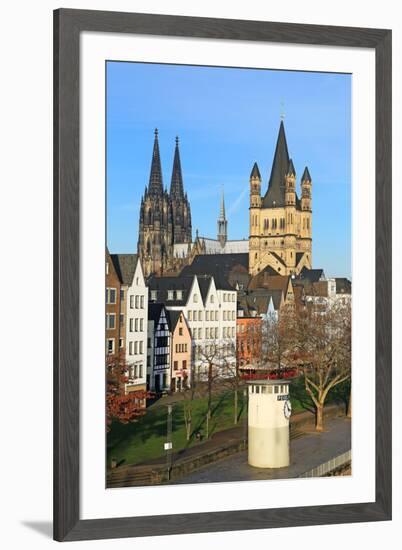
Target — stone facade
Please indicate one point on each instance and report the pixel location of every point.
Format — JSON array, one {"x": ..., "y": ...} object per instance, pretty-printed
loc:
[
  {"x": 165, "y": 218},
  {"x": 280, "y": 223}
]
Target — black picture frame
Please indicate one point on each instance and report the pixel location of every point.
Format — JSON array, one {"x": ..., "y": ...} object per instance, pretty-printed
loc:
[{"x": 68, "y": 24}]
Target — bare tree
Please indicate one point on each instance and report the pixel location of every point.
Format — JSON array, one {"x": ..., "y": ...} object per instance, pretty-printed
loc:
[
  {"x": 213, "y": 357},
  {"x": 321, "y": 348}
]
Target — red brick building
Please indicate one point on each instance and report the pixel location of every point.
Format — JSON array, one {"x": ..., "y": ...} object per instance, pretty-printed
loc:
[{"x": 248, "y": 341}]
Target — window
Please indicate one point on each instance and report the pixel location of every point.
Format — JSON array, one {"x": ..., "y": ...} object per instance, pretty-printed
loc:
[
  {"x": 135, "y": 348},
  {"x": 110, "y": 295},
  {"x": 121, "y": 318},
  {"x": 137, "y": 302},
  {"x": 200, "y": 315},
  {"x": 136, "y": 325},
  {"x": 154, "y": 294},
  {"x": 190, "y": 315},
  {"x": 212, "y": 299},
  {"x": 121, "y": 294},
  {"x": 216, "y": 315},
  {"x": 207, "y": 333},
  {"x": 131, "y": 302},
  {"x": 180, "y": 331},
  {"x": 142, "y": 302},
  {"x": 135, "y": 371},
  {"x": 110, "y": 321},
  {"x": 200, "y": 333},
  {"x": 130, "y": 348},
  {"x": 184, "y": 365},
  {"x": 195, "y": 298},
  {"x": 121, "y": 343},
  {"x": 170, "y": 295},
  {"x": 224, "y": 315},
  {"x": 107, "y": 268},
  {"x": 110, "y": 346},
  {"x": 140, "y": 371},
  {"x": 179, "y": 295},
  {"x": 207, "y": 315},
  {"x": 131, "y": 325},
  {"x": 141, "y": 346},
  {"x": 257, "y": 389},
  {"x": 195, "y": 315},
  {"x": 216, "y": 333},
  {"x": 141, "y": 324},
  {"x": 276, "y": 389},
  {"x": 175, "y": 365}
]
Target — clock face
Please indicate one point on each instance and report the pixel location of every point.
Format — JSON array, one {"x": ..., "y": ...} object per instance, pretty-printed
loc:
[{"x": 287, "y": 409}]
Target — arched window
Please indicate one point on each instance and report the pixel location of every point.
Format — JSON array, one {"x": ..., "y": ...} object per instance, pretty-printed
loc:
[
  {"x": 149, "y": 247},
  {"x": 149, "y": 217}
]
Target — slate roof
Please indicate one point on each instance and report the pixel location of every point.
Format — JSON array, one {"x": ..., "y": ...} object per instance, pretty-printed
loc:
[
  {"x": 259, "y": 299},
  {"x": 343, "y": 285},
  {"x": 306, "y": 175},
  {"x": 275, "y": 195},
  {"x": 226, "y": 269},
  {"x": 163, "y": 284},
  {"x": 173, "y": 318},
  {"x": 125, "y": 265},
  {"x": 255, "y": 172},
  {"x": 310, "y": 275},
  {"x": 154, "y": 311}
]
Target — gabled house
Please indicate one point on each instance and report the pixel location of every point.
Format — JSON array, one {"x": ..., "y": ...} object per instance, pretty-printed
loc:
[
  {"x": 133, "y": 318},
  {"x": 158, "y": 349},
  {"x": 181, "y": 350}
]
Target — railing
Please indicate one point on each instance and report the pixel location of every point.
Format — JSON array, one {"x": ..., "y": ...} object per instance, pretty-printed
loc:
[{"x": 330, "y": 466}]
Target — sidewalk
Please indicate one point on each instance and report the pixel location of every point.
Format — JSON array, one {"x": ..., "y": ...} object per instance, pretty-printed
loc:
[
  {"x": 220, "y": 447},
  {"x": 306, "y": 453}
]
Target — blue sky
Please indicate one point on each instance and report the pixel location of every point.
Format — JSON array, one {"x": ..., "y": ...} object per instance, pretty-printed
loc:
[{"x": 226, "y": 120}]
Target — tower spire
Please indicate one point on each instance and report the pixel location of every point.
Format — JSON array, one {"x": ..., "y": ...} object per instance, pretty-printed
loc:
[
  {"x": 176, "y": 185},
  {"x": 222, "y": 223},
  {"x": 275, "y": 195},
  {"x": 155, "y": 177}
]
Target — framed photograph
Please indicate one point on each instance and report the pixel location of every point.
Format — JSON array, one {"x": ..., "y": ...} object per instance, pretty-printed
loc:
[{"x": 222, "y": 287}]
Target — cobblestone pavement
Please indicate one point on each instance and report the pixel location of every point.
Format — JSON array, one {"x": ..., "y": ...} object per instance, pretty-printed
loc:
[{"x": 306, "y": 452}]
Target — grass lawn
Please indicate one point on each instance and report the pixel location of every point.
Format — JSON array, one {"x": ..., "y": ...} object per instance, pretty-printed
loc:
[{"x": 143, "y": 440}]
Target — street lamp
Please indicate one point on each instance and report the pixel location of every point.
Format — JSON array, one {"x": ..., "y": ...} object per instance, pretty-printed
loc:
[{"x": 168, "y": 445}]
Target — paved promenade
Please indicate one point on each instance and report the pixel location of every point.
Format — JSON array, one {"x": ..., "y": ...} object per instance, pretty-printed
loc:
[{"x": 307, "y": 452}]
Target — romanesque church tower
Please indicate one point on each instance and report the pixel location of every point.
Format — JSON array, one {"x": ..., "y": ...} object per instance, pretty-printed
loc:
[
  {"x": 280, "y": 223},
  {"x": 165, "y": 218}
]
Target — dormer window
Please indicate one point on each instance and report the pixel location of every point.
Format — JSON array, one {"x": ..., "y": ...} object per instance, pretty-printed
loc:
[
  {"x": 154, "y": 295},
  {"x": 179, "y": 295},
  {"x": 170, "y": 295}
]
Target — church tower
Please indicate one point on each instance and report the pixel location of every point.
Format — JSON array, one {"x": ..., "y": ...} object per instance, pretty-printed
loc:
[
  {"x": 280, "y": 234},
  {"x": 182, "y": 232},
  {"x": 222, "y": 224},
  {"x": 155, "y": 240}
]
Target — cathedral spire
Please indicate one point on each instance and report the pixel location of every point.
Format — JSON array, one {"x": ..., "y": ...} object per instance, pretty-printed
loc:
[
  {"x": 176, "y": 185},
  {"x": 275, "y": 195},
  {"x": 155, "y": 177},
  {"x": 222, "y": 223}
]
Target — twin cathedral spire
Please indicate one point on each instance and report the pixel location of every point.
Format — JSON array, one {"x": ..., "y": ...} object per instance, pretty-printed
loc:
[{"x": 165, "y": 217}]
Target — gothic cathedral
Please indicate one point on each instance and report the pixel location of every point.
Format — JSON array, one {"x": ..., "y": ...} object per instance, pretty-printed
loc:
[
  {"x": 280, "y": 234},
  {"x": 165, "y": 218}
]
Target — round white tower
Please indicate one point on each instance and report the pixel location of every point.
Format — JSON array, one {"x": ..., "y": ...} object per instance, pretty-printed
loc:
[{"x": 269, "y": 412}]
